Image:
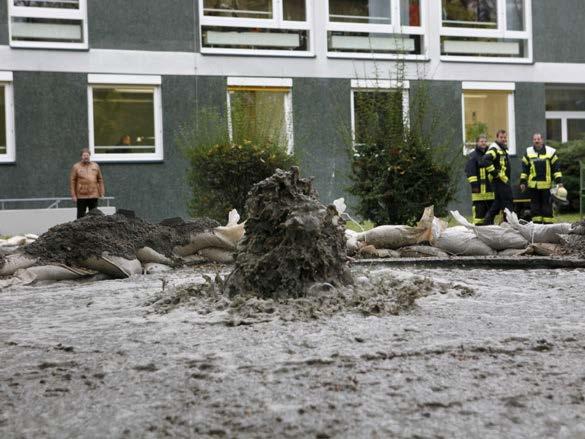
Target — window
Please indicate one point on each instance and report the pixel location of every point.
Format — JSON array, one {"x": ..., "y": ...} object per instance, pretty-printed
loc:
[
  {"x": 375, "y": 106},
  {"x": 125, "y": 118},
  {"x": 260, "y": 109},
  {"x": 7, "y": 150},
  {"x": 375, "y": 28},
  {"x": 487, "y": 108},
  {"x": 565, "y": 112},
  {"x": 270, "y": 27},
  {"x": 489, "y": 30},
  {"x": 58, "y": 24}
]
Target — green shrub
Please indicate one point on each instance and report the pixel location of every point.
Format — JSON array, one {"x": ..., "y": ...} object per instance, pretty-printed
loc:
[
  {"x": 570, "y": 154},
  {"x": 222, "y": 172},
  {"x": 397, "y": 168},
  {"x": 221, "y": 175}
]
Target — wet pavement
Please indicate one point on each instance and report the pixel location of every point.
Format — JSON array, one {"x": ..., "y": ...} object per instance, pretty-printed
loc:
[{"x": 92, "y": 359}]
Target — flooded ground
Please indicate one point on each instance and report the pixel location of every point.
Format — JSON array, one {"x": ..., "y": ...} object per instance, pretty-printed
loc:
[{"x": 501, "y": 354}]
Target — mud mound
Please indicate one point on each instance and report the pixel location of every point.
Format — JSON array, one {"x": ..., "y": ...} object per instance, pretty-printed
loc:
[
  {"x": 379, "y": 294},
  {"x": 292, "y": 241},
  {"x": 116, "y": 234},
  {"x": 578, "y": 228},
  {"x": 574, "y": 242}
]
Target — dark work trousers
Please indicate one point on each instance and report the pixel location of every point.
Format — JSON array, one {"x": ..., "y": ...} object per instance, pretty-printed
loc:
[
  {"x": 84, "y": 204},
  {"x": 504, "y": 200},
  {"x": 541, "y": 206},
  {"x": 479, "y": 211}
]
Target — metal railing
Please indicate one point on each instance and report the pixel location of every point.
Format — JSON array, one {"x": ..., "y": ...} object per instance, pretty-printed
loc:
[{"x": 53, "y": 201}]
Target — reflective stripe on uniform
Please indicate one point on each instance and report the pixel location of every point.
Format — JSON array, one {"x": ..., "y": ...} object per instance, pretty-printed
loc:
[
  {"x": 487, "y": 196},
  {"x": 476, "y": 221}
]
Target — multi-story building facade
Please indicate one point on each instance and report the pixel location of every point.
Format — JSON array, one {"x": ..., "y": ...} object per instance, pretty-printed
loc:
[{"x": 123, "y": 77}]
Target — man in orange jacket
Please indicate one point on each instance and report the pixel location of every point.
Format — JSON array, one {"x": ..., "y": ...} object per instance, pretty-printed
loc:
[{"x": 86, "y": 183}]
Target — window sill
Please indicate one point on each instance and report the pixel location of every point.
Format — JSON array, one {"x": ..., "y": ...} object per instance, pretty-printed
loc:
[
  {"x": 257, "y": 52},
  {"x": 49, "y": 46},
  {"x": 486, "y": 59},
  {"x": 101, "y": 159},
  {"x": 389, "y": 56}
]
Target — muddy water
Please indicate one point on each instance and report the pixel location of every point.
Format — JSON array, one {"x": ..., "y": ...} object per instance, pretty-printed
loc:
[{"x": 91, "y": 360}]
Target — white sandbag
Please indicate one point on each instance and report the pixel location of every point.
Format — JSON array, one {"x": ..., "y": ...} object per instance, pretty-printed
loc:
[
  {"x": 147, "y": 254},
  {"x": 351, "y": 241},
  {"x": 153, "y": 268},
  {"x": 13, "y": 242},
  {"x": 15, "y": 262},
  {"x": 369, "y": 251},
  {"x": 460, "y": 241},
  {"x": 496, "y": 237},
  {"x": 232, "y": 231},
  {"x": 422, "y": 251},
  {"x": 538, "y": 233},
  {"x": 114, "y": 266},
  {"x": 231, "y": 234},
  {"x": 395, "y": 237},
  {"x": 215, "y": 254},
  {"x": 209, "y": 238},
  {"x": 51, "y": 273}
]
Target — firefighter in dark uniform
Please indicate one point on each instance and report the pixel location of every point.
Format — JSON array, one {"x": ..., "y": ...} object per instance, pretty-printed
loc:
[
  {"x": 540, "y": 167},
  {"x": 478, "y": 176},
  {"x": 497, "y": 162}
]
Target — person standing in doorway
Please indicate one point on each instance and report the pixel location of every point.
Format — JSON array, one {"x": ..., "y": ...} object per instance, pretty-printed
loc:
[
  {"x": 480, "y": 180},
  {"x": 497, "y": 161},
  {"x": 540, "y": 167},
  {"x": 86, "y": 184}
]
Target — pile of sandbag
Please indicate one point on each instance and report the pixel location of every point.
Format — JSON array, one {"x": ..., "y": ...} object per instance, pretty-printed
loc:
[
  {"x": 118, "y": 246},
  {"x": 394, "y": 241},
  {"x": 433, "y": 238}
]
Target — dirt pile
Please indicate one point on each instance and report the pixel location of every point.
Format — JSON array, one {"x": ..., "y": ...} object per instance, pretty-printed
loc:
[
  {"x": 118, "y": 235},
  {"x": 291, "y": 242},
  {"x": 379, "y": 293},
  {"x": 575, "y": 240}
]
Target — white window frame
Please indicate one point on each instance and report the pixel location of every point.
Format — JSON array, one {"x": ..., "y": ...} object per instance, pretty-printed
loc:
[
  {"x": 564, "y": 117},
  {"x": 108, "y": 81},
  {"x": 493, "y": 86},
  {"x": 6, "y": 82},
  {"x": 379, "y": 86},
  {"x": 499, "y": 32},
  {"x": 276, "y": 22},
  {"x": 265, "y": 82},
  {"x": 395, "y": 28},
  {"x": 49, "y": 13}
]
